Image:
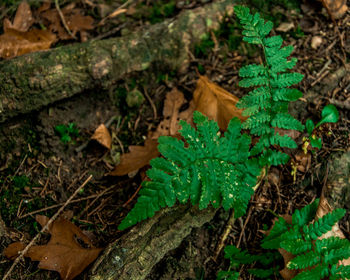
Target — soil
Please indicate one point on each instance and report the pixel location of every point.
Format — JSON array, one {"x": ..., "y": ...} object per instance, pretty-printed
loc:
[{"x": 38, "y": 170}]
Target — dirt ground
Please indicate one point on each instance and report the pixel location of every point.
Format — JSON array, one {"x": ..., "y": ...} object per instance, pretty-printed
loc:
[{"x": 38, "y": 172}]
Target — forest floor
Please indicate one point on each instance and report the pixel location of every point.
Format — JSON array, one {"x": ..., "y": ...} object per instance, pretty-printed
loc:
[{"x": 39, "y": 170}]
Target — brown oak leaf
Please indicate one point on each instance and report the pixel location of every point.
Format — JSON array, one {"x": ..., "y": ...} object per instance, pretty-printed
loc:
[
  {"x": 63, "y": 253},
  {"x": 216, "y": 103}
]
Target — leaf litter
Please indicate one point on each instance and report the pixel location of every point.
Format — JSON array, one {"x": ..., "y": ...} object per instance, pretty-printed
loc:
[
  {"x": 63, "y": 253},
  {"x": 20, "y": 37}
]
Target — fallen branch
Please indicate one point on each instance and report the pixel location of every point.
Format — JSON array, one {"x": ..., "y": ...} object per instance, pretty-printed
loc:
[{"x": 32, "y": 81}]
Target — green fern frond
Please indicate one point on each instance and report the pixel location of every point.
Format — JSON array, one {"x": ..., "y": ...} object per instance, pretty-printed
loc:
[
  {"x": 316, "y": 273},
  {"x": 267, "y": 106},
  {"x": 209, "y": 169},
  {"x": 296, "y": 246},
  {"x": 254, "y": 81},
  {"x": 323, "y": 225},
  {"x": 286, "y": 94},
  {"x": 274, "y": 239},
  {"x": 306, "y": 214},
  {"x": 303, "y": 261},
  {"x": 286, "y": 80},
  {"x": 262, "y": 273},
  {"x": 283, "y": 141},
  {"x": 286, "y": 121},
  {"x": 252, "y": 70}
]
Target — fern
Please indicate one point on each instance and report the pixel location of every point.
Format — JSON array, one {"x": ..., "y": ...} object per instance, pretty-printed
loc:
[
  {"x": 238, "y": 257},
  {"x": 267, "y": 104},
  {"x": 318, "y": 258},
  {"x": 205, "y": 169}
]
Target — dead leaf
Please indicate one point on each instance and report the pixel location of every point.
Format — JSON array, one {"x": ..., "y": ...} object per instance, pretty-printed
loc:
[
  {"x": 76, "y": 22},
  {"x": 14, "y": 43},
  {"x": 138, "y": 157},
  {"x": 102, "y": 136},
  {"x": 337, "y": 8},
  {"x": 23, "y": 19},
  {"x": 17, "y": 40},
  {"x": 174, "y": 100},
  {"x": 62, "y": 253},
  {"x": 216, "y": 103},
  {"x": 303, "y": 161}
]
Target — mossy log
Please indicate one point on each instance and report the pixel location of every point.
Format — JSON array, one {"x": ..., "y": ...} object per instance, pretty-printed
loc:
[
  {"x": 32, "y": 81},
  {"x": 134, "y": 255}
]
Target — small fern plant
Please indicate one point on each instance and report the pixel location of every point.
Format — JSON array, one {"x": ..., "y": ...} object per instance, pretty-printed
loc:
[
  {"x": 316, "y": 258},
  {"x": 238, "y": 257},
  {"x": 203, "y": 168},
  {"x": 267, "y": 104},
  {"x": 208, "y": 169}
]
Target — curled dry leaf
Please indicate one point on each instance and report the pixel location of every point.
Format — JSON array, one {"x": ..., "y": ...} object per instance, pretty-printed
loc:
[
  {"x": 23, "y": 19},
  {"x": 62, "y": 253},
  {"x": 102, "y": 136},
  {"x": 76, "y": 22},
  {"x": 303, "y": 161},
  {"x": 171, "y": 112},
  {"x": 216, "y": 103},
  {"x": 337, "y": 8},
  {"x": 17, "y": 40},
  {"x": 138, "y": 157},
  {"x": 14, "y": 43}
]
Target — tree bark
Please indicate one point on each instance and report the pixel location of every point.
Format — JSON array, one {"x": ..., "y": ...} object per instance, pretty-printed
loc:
[
  {"x": 337, "y": 188},
  {"x": 134, "y": 255},
  {"x": 32, "y": 81}
]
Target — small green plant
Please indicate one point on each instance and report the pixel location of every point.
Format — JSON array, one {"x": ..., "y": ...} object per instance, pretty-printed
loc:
[
  {"x": 209, "y": 169},
  {"x": 329, "y": 114},
  {"x": 238, "y": 257},
  {"x": 66, "y": 132},
  {"x": 315, "y": 258},
  {"x": 267, "y": 105},
  {"x": 221, "y": 170}
]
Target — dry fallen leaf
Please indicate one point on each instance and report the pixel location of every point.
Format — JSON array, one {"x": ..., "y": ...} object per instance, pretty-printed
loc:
[
  {"x": 171, "y": 112},
  {"x": 216, "y": 103},
  {"x": 23, "y": 19},
  {"x": 337, "y": 8},
  {"x": 102, "y": 136},
  {"x": 62, "y": 253},
  {"x": 302, "y": 161},
  {"x": 138, "y": 157},
  {"x": 14, "y": 43},
  {"x": 17, "y": 40},
  {"x": 76, "y": 22}
]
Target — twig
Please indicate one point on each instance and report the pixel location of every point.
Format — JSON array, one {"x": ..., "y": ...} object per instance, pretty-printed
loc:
[
  {"x": 53, "y": 218},
  {"x": 244, "y": 226},
  {"x": 151, "y": 102},
  {"x": 224, "y": 236},
  {"x": 133, "y": 196},
  {"x": 325, "y": 73},
  {"x": 118, "y": 11},
  {"x": 63, "y": 20}
]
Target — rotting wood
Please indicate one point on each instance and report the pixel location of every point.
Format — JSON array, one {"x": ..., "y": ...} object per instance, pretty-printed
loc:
[
  {"x": 35, "y": 80},
  {"x": 134, "y": 255},
  {"x": 337, "y": 188}
]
